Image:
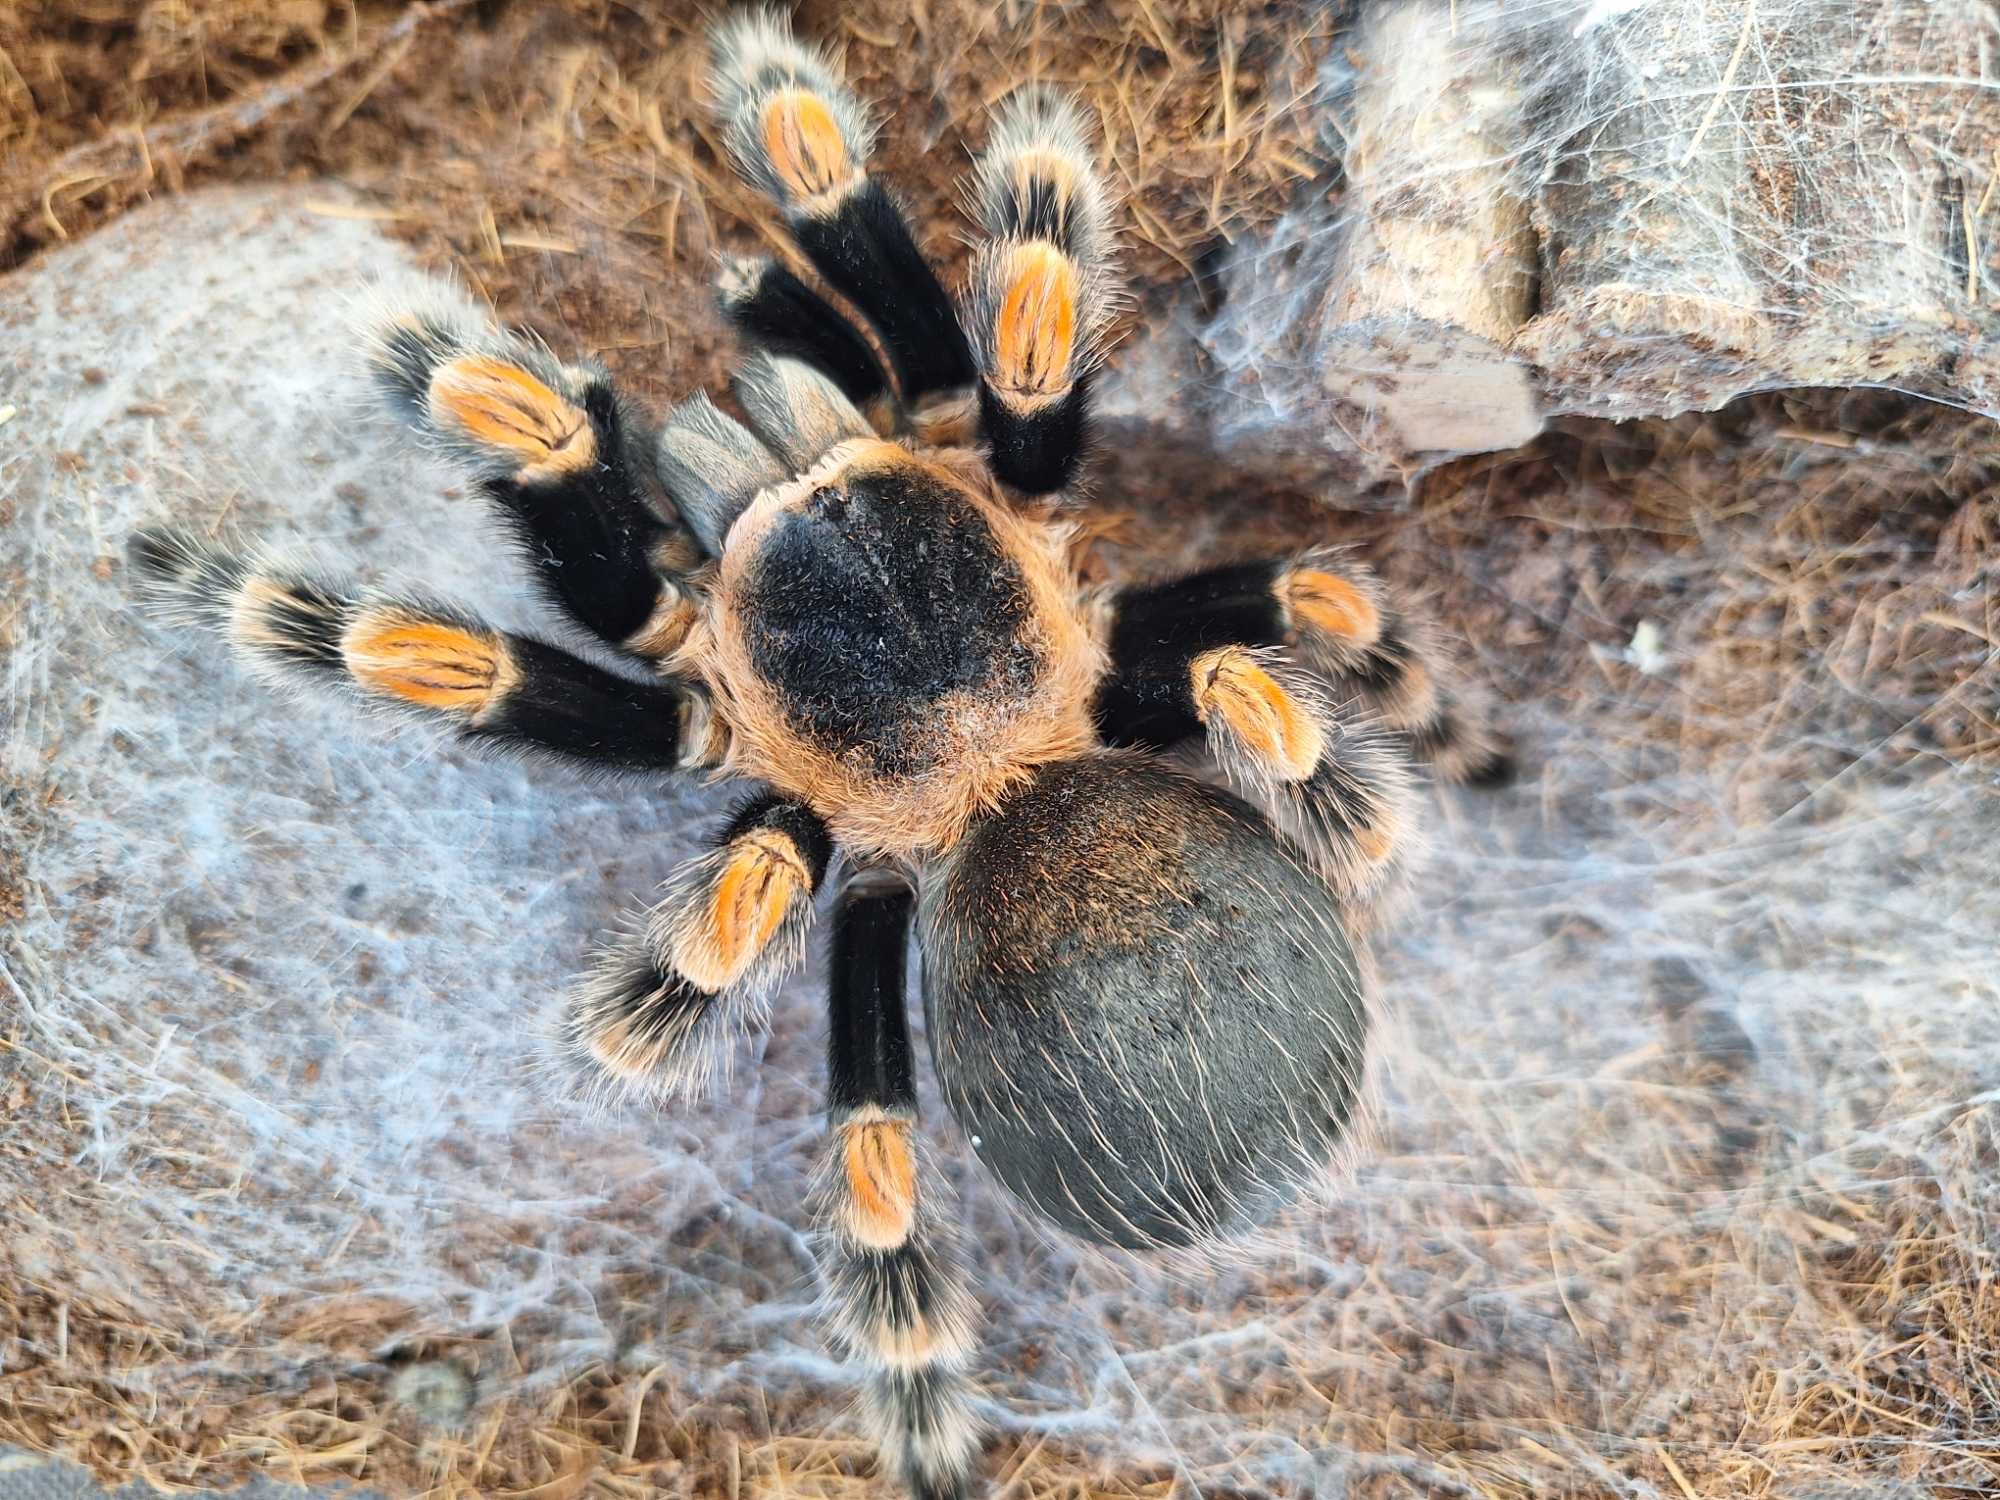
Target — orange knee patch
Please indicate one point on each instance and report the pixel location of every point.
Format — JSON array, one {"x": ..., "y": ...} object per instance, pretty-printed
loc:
[
  {"x": 1331, "y": 604},
  {"x": 805, "y": 145},
  {"x": 1257, "y": 710},
  {"x": 427, "y": 663},
  {"x": 758, "y": 882},
  {"x": 1036, "y": 332},
  {"x": 666, "y": 628},
  {"x": 881, "y": 1183},
  {"x": 505, "y": 407}
]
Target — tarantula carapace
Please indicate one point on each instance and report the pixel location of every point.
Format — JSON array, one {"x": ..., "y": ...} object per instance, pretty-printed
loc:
[{"x": 1143, "y": 996}]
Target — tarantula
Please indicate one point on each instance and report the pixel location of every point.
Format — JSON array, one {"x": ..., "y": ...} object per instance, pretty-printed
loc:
[{"x": 1143, "y": 991}]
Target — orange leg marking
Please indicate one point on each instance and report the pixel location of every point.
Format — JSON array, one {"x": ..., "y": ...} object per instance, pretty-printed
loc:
[
  {"x": 426, "y": 663},
  {"x": 881, "y": 1182},
  {"x": 1036, "y": 334},
  {"x": 755, "y": 890},
  {"x": 505, "y": 407},
  {"x": 805, "y": 144},
  {"x": 1331, "y": 604},
  {"x": 1228, "y": 681}
]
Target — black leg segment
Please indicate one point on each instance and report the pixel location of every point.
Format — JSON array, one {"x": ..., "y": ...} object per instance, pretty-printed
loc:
[
  {"x": 868, "y": 1044},
  {"x": 426, "y": 661},
  {"x": 775, "y": 310},
  {"x": 864, "y": 248}
]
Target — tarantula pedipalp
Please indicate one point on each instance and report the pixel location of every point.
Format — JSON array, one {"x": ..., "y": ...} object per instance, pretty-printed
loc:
[{"x": 1144, "y": 1001}]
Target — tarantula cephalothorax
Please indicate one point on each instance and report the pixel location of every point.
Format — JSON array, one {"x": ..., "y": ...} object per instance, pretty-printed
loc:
[{"x": 1143, "y": 996}]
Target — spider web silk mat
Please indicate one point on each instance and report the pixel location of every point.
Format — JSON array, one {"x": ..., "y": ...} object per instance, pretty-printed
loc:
[{"x": 1674, "y": 1068}]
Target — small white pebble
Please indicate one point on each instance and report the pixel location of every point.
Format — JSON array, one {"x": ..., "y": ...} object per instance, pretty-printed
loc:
[
  {"x": 7, "y": 414},
  {"x": 1646, "y": 651}
]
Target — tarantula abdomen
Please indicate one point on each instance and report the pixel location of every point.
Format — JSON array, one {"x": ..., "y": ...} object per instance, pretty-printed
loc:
[{"x": 1144, "y": 1011}]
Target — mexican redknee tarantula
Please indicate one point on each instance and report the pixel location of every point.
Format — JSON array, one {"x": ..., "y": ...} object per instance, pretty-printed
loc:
[{"x": 1143, "y": 994}]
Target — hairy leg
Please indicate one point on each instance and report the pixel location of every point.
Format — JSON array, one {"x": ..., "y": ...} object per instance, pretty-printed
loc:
[
  {"x": 796, "y": 131},
  {"x": 1260, "y": 660},
  {"x": 1042, "y": 291},
  {"x": 1336, "y": 618},
  {"x": 657, "y": 1012},
  {"x": 428, "y": 662},
  {"x": 896, "y": 1294},
  {"x": 563, "y": 460}
]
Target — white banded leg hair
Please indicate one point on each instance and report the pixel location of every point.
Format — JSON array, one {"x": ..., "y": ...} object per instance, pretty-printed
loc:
[{"x": 896, "y": 1294}]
